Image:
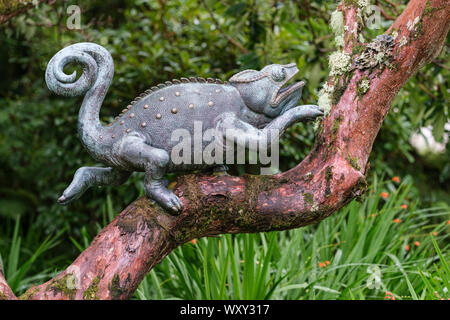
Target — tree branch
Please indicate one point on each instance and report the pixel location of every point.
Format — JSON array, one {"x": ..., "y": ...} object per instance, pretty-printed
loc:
[
  {"x": 383, "y": 13},
  {"x": 327, "y": 179},
  {"x": 5, "y": 291}
]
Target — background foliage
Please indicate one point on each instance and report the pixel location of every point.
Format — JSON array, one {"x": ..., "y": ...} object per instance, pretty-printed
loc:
[{"x": 154, "y": 41}]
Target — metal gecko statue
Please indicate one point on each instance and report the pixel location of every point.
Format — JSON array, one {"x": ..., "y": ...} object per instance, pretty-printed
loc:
[{"x": 139, "y": 139}]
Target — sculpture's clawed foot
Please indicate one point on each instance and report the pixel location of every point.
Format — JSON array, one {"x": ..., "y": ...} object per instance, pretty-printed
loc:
[
  {"x": 311, "y": 112},
  {"x": 81, "y": 181},
  {"x": 157, "y": 191},
  {"x": 74, "y": 191},
  {"x": 68, "y": 197},
  {"x": 86, "y": 177}
]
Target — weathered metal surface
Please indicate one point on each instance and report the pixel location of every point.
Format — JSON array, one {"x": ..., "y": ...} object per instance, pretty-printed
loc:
[{"x": 253, "y": 103}]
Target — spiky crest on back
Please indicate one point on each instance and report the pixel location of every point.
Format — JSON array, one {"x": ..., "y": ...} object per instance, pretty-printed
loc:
[{"x": 165, "y": 85}]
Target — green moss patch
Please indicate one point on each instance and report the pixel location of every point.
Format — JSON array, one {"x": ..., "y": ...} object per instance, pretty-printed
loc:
[
  {"x": 61, "y": 286},
  {"x": 353, "y": 162},
  {"x": 91, "y": 292}
]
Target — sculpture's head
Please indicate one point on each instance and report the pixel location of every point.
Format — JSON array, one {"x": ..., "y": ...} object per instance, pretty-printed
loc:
[{"x": 266, "y": 91}]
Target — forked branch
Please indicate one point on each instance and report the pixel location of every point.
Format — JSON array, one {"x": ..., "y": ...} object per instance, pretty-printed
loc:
[{"x": 328, "y": 178}]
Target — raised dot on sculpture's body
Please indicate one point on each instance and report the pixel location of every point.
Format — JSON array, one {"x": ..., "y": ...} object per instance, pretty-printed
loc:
[
  {"x": 146, "y": 106},
  {"x": 143, "y": 124},
  {"x": 161, "y": 99},
  {"x": 174, "y": 110},
  {"x": 128, "y": 130},
  {"x": 210, "y": 104},
  {"x": 158, "y": 116},
  {"x": 177, "y": 94},
  {"x": 121, "y": 122},
  {"x": 191, "y": 106},
  {"x": 131, "y": 115}
]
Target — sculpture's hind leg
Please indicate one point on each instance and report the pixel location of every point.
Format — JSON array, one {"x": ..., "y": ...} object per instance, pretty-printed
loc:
[
  {"x": 86, "y": 177},
  {"x": 154, "y": 162}
]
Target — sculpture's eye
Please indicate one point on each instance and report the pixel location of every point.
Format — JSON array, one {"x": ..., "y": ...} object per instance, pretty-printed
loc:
[{"x": 278, "y": 74}]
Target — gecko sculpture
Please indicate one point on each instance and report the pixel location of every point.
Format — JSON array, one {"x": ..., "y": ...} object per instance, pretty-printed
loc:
[{"x": 139, "y": 139}]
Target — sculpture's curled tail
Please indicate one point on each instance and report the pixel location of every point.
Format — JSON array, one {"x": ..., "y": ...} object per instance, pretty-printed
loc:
[{"x": 98, "y": 71}]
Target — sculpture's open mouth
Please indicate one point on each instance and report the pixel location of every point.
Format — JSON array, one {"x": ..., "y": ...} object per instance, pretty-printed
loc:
[{"x": 287, "y": 89}]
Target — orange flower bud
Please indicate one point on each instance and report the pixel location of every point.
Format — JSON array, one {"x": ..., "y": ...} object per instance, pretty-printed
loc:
[{"x": 389, "y": 296}]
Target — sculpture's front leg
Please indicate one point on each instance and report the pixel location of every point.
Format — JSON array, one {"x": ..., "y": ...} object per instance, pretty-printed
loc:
[
  {"x": 301, "y": 113},
  {"x": 235, "y": 130}
]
